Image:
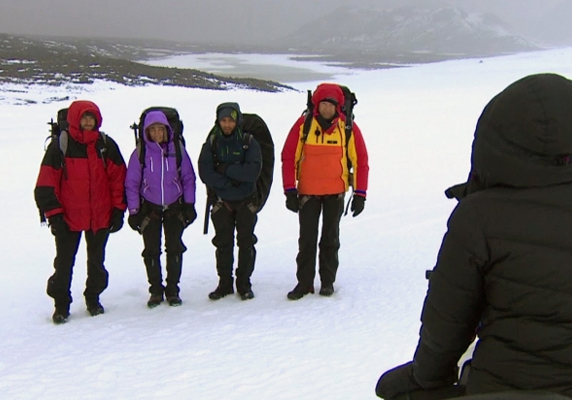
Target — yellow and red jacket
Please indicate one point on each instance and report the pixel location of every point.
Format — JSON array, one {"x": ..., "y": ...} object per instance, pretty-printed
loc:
[{"x": 318, "y": 165}]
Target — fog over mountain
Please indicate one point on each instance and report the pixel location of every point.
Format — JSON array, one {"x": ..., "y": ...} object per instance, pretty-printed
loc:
[{"x": 256, "y": 22}]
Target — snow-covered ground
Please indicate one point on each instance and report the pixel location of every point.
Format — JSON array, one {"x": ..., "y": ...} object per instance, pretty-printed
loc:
[{"x": 418, "y": 124}]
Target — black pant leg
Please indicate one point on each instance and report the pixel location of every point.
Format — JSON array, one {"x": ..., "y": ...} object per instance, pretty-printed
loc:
[
  {"x": 152, "y": 253},
  {"x": 174, "y": 247},
  {"x": 330, "y": 239},
  {"x": 246, "y": 219},
  {"x": 308, "y": 216},
  {"x": 59, "y": 283},
  {"x": 224, "y": 224},
  {"x": 97, "y": 275}
]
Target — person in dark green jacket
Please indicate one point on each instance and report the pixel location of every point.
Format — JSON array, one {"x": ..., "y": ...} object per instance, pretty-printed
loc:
[
  {"x": 229, "y": 165},
  {"x": 504, "y": 270}
]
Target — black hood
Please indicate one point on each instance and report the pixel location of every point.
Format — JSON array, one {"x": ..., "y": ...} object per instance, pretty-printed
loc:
[{"x": 523, "y": 138}]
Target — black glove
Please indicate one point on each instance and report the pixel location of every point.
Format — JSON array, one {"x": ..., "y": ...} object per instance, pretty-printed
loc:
[
  {"x": 400, "y": 381},
  {"x": 57, "y": 224},
  {"x": 396, "y": 381},
  {"x": 292, "y": 202},
  {"x": 134, "y": 221},
  {"x": 190, "y": 213},
  {"x": 221, "y": 168},
  {"x": 116, "y": 220},
  {"x": 358, "y": 203}
]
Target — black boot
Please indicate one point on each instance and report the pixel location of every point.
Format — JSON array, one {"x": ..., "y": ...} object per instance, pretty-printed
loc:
[
  {"x": 246, "y": 294},
  {"x": 244, "y": 288},
  {"x": 300, "y": 291},
  {"x": 155, "y": 300},
  {"x": 174, "y": 268},
  {"x": 225, "y": 287},
  {"x": 154, "y": 276},
  {"x": 246, "y": 259},
  {"x": 327, "y": 290},
  {"x": 94, "y": 307},
  {"x": 61, "y": 314},
  {"x": 174, "y": 301}
]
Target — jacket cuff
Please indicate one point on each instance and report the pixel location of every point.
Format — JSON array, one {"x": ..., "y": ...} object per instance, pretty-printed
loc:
[{"x": 53, "y": 212}]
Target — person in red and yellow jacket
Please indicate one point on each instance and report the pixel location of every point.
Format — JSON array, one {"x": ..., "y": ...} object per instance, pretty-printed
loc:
[
  {"x": 80, "y": 188},
  {"x": 316, "y": 175}
]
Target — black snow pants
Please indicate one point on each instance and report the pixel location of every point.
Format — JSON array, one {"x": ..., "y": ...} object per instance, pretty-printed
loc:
[
  {"x": 332, "y": 207},
  {"x": 226, "y": 217},
  {"x": 67, "y": 244},
  {"x": 171, "y": 221}
]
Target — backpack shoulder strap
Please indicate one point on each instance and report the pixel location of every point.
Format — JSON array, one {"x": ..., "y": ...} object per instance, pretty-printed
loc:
[
  {"x": 63, "y": 144},
  {"x": 309, "y": 115},
  {"x": 103, "y": 150},
  {"x": 140, "y": 147},
  {"x": 246, "y": 138},
  {"x": 212, "y": 139},
  {"x": 179, "y": 152},
  {"x": 63, "y": 140}
]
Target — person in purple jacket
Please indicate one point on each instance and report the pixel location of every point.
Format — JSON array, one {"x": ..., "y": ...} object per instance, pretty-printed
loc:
[{"x": 161, "y": 196}]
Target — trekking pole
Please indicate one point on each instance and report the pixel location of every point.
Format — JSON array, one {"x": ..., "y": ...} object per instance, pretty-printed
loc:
[
  {"x": 210, "y": 202},
  {"x": 207, "y": 212}
]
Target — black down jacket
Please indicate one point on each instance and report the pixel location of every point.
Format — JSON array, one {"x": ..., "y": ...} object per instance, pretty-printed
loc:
[{"x": 504, "y": 269}]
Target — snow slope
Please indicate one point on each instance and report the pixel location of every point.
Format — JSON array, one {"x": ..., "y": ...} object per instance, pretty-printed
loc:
[{"x": 418, "y": 124}]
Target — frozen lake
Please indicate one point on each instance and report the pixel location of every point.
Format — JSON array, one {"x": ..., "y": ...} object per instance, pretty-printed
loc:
[{"x": 284, "y": 68}]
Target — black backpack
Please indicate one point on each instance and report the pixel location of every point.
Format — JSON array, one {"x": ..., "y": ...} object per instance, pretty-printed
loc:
[
  {"x": 252, "y": 126},
  {"x": 350, "y": 100},
  {"x": 59, "y": 132},
  {"x": 176, "y": 125}
]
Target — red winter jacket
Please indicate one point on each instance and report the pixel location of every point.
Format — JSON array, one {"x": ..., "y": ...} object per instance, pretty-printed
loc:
[{"x": 86, "y": 186}]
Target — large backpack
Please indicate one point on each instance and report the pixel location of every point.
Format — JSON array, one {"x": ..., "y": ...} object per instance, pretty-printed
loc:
[
  {"x": 252, "y": 126},
  {"x": 350, "y": 100},
  {"x": 59, "y": 132},
  {"x": 176, "y": 126}
]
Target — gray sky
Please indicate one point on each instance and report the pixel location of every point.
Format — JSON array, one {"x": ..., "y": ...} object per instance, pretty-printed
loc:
[{"x": 241, "y": 21}]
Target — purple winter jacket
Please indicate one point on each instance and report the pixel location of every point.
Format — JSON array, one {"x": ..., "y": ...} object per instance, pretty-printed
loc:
[{"x": 160, "y": 182}]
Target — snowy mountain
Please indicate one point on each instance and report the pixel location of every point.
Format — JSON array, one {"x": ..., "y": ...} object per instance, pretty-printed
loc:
[{"x": 444, "y": 32}]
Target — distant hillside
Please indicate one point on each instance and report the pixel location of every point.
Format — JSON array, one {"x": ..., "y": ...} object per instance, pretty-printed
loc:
[
  {"x": 404, "y": 32},
  {"x": 59, "y": 61}
]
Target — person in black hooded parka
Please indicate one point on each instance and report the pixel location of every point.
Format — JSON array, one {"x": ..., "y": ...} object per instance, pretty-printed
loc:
[{"x": 504, "y": 269}]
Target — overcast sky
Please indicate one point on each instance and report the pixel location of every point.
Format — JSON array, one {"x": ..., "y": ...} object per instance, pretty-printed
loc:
[{"x": 213, "y": 20}]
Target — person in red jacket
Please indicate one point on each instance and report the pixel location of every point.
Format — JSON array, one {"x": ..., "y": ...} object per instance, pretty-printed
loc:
[
  {"x": 80, "y": 188},
  {"x": 316, "y": 176}
]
